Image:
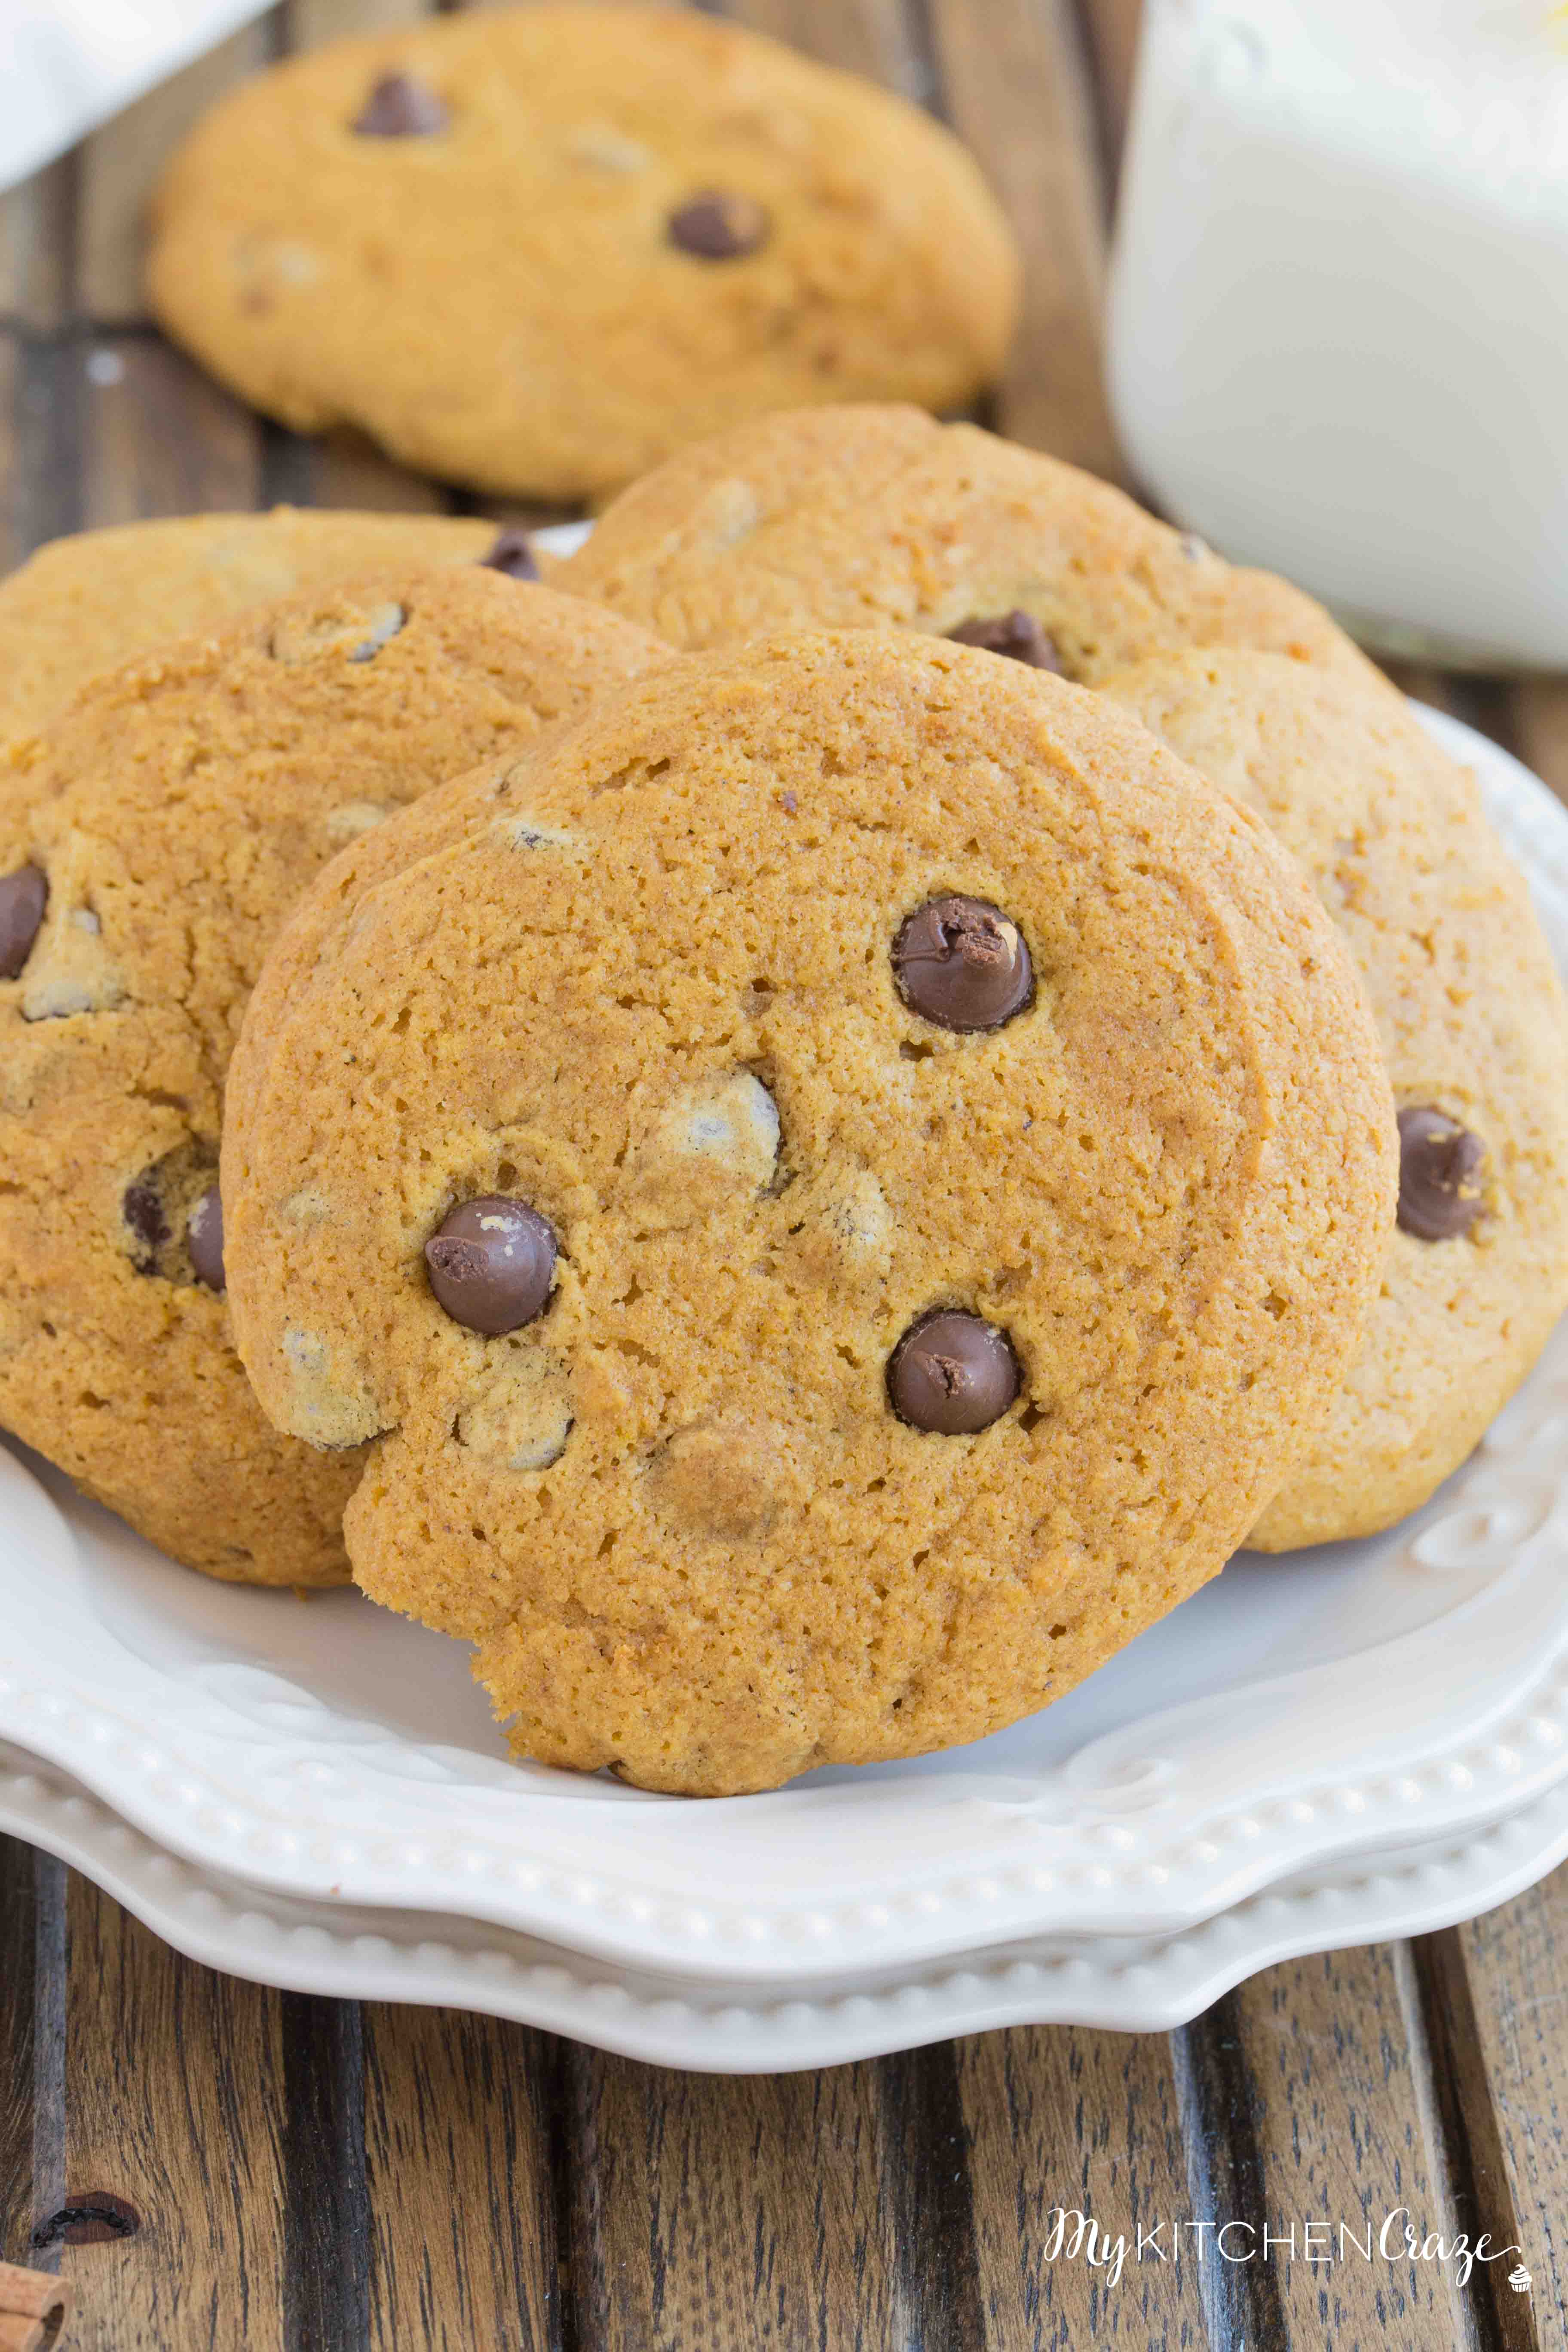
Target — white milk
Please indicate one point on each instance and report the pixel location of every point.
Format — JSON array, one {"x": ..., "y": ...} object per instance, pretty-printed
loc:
[{"x": 1338, "y": 316}]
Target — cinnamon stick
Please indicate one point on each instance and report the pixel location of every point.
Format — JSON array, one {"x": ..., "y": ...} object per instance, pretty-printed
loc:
[{"x": 33, "y": 2308}]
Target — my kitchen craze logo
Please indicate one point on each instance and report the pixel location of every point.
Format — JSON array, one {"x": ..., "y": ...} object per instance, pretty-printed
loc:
[{"x": 1074, "y": 2237}]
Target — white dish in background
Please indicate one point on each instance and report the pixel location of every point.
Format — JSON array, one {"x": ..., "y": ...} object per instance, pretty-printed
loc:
[
  {"x": 1399, "y": 1691},
  {"x": 1135, "y": 1986}
]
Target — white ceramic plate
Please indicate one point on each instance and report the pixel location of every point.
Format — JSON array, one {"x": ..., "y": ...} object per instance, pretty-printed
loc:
[
  {"x": 1136, "y": 1984},
  {"x": 1395, "y": 1691}
]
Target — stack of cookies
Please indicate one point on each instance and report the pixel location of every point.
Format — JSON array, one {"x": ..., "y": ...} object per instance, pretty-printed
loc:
[{"x": 795, "y": 1130}]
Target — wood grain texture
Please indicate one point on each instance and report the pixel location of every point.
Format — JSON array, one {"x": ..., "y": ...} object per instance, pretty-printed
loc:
[
  {"x": 158, "y": 437},
  {"x": 312, "y": 22},
  {"x": 1017, "y": 90},
  {"x": 19, "y": 2048},
  {"x": 464, "y": 2165},
  {"x": 1332, "y": 2069},
  {"x": 752, "y": 2212},
  {"x": 173, "y": 2095},
  {"x": 1113, "y": 27},
  {"x": 38, "y": 248},
  {"x": 120, "y": 163},
  {"x": 1538, "y": 730},
  {"x": 878, "y": 39},
  {"x": 1058, "y": 2117}
]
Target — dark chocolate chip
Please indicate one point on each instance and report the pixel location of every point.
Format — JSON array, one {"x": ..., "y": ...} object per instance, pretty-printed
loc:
[
  {"x": 1017, "y": 635},
  {"x": 1439, "y": 1175},
  {"x": 492, "y": 1262},
  {"x": 717, "y": 225},
  {"x": 401, "y": 108},
  {"x": 23, "y": 895},
  {"x": 961, "y": 964},
  {"x": 142, "y": 1209},
  {"x": 204, "y": 1239},
  {"x": 512, "y": 554},
  {"x": 952, "y": 1374}
]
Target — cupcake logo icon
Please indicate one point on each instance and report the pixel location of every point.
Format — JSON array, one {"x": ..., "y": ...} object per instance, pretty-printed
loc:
[{"x": 1519, "y": 2279}]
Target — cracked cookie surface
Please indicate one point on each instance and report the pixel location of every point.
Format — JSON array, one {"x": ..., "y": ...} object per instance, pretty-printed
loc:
[
  {"x": 959, "y": 1156},
  {"x": 151, "y": 842},
  {"x": 538, "y": 248},
  {"x": 1475, "y": 1033}
]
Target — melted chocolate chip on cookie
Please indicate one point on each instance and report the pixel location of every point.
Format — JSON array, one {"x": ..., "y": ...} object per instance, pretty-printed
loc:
[
  {"x": 141, "y": 1206},
  {"x": 717, "y": 225},
  {"x": 1439, "y": 1175},
  {"x": 399, "y": 107},
  {"x": 23, "y": 895},
  {"x": 960, "y": 963},
  {"x": 491, "y": 1264},
  {"x": 952, "y": 1374},
  {"x": 204, "y": 1239},
  {"x": 511, "y": 553},
  {"x": 1016, "y": 635}
]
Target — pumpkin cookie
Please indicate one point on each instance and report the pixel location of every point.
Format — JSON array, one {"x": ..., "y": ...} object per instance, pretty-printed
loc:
[
  {"x": 878, "y": 517},
  {"x": 832, "y": 1205},
  {"x": 1475, "y": 1035},
  {"x": 539, "y": 248},
  {"x": 151, "y": 842},
  {"x": 101, "y": 598}
]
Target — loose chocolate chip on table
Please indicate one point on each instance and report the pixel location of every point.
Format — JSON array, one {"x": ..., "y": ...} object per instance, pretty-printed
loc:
[
  {"x": 1439, "y": 1175},
  {"x": 952, "y": 1374},
  {"x": 204, "y": 1239},
  {"x": 492, "y": 1262},
  {"x": 1017, "y": 635},
  {"x": 718, "y": 226},
  {"x": 23, "y": 895},
  {"x": 512, "y": 554},
  {"x": 401, "y": 108},
  {"x": 960, "y": 963}
]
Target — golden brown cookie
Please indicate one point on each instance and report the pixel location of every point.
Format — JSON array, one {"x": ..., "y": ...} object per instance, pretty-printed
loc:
[
  {"x": 151, "y": 842},
  {"x": 538, "y": 248},
  {"x": 878, "y": 517},
  {"x": 101, "y": 598},
  {"x": 832, "y": 1203},
  {"x": 1475, "y": 1033}
]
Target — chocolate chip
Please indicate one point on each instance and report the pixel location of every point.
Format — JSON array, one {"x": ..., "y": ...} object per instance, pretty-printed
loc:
[
  {"x": 142, "y": 1209},
  {"x": 716, "y": 225},
  {"x": 1017, "y": 635},
  {"x": 490, "y": 1263},
  {"x": 961, "y": 964},
  {"x": 23, "y": 895},
  {"x": 401, "y": 108},
  {"x": 952, "y": 1374},
  {"x": 204, "y": 1239},
  {"x": 1439, "y": 1175},
  {"x": 512, "y": 554}
]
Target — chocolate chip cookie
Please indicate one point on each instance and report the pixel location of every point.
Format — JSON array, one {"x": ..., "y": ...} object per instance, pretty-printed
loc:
[
  {"x": 832, "y": 1202},
  {"x": 538, "y": 248},
  {"x": 101, "y": 598},
  {"x": 865, "y": 516},
  {"x": 1475, "y": 1033},
  {"x": 151, "y": 841}
]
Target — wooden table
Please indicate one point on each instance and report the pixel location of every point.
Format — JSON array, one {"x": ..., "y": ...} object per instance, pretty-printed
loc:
[{"x": 215, "y": 2165}]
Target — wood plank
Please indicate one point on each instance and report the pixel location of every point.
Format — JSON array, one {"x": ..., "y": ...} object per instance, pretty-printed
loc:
[
  {"x": 312, "y": 22},
  {"x": 32, "y": 2092},
  {"x": 747, "y": 2212},
  {"x": 326, "y": 2210},
  {"x": 1539, "y": 733},
  {"x": 1329, "y": 2061},
  {"x": 878, "y": 39},
  {"x": 37, "y": 229},
  {"x": 1060, "y": 2117},
  {"x": 13, "y": 543},
  {"x": 120, "y": 164},
  {"x": 348, "y": 470},
  {"x": 1018, "y": 91},
  {"x": 174, "y": 2094},
  {"x": 1514, "y": 1966},
  {"x": 459, "y": 2126},
  {"x": 1114, "y": 27},
  {"x": 158, "y": 437}
]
